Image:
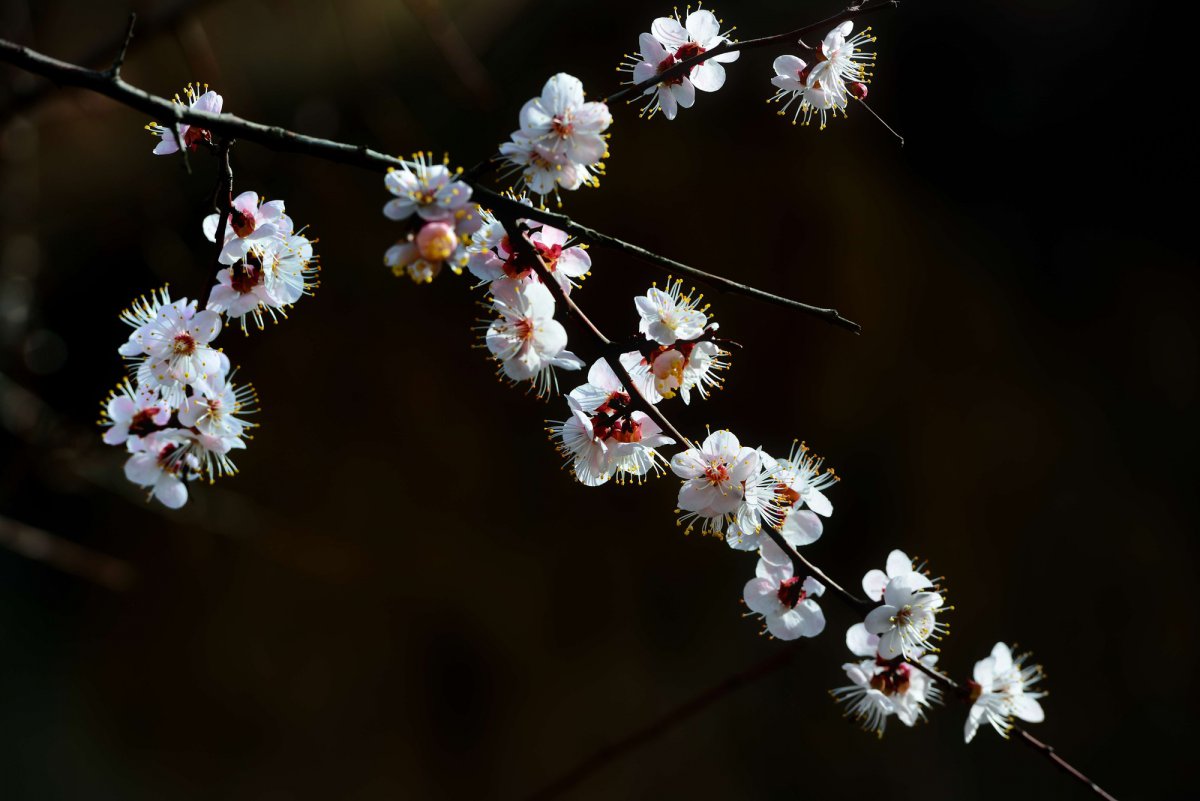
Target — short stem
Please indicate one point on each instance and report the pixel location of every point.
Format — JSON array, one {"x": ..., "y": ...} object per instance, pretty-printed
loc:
[{"x": 222, "y": 197}]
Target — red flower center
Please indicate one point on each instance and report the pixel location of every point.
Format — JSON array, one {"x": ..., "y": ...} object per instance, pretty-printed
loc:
[
  {"x": 193, "y": 136},
  {"x": 518, "y": 265},
  {"x": 184, "y": 344},
  {"x": 142, "y": 423},
  {"x": 617, "y": 403},
  {"x": 627, "y": 430},
  {"x": 791, "y": 592},
  {"x": 684, "y": 52},
  {"x": 243, "y": 224},
  {"x": 561, "y": 126},
  {"x": 717, "y": 473},
  {"x": 245, "y": 279},
  {"x": 165, "y": 460},
  {"x": 894, "y": 678}
]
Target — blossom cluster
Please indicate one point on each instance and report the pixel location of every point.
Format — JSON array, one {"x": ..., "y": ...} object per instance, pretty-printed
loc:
[
  {"x": 271, "y": 264},
  {"x": 561, "y": 142},
  {"x": 669, "y": 42},
  {"x": 894, "y": 638},
  {"x": 438, "y": 216},
  {"x": 180, "y": 413},
  {"x": 824, "y": 89},
  {"x": 524, "y": 338},
  {"x": 821, "y": 89},
  {"x": 610, "y": 432}
]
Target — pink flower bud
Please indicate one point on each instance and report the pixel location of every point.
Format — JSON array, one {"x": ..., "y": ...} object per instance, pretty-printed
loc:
[{"x": 437, "y": 241}]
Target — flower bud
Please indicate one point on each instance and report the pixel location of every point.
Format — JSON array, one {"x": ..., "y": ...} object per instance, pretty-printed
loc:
[{"x": 436, "y": 241}]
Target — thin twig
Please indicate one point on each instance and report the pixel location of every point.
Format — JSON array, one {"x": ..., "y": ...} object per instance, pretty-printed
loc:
[
  {"x": 1062, "y": 764},
  {"x": 802, "y": 565},
  {"x": 281, "y": 139},
  {"x": 183, "y": 151},
  {"x": 495, "y": 201},
  {"x": 119, "y": 61},
  {"x": 223, "y": 197}
]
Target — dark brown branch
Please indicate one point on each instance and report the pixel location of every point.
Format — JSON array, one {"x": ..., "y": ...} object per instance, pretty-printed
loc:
[
  {"x": 646, "y": 734},
  {"x": 281, "y": 139},
  {"x": 675, "y": 70},
  {"x": 496, "y": 201},
  {"x": 150, "y": 25},
  {"x": 42, "y": 546},
  {"x": 803, "y": 566}
]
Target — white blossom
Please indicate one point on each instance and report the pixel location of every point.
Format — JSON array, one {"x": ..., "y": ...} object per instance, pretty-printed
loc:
[
  {"x": 795, "y": 83},
  {"x": 803, "y": 481},
  {"x": 585, "y": 450},
  {"x": 1002, "y": 689},
  {"x": 898, "y": 564},
  {"x": 760, "y": 505},
  {"x": 843, "y": 61},
  {"x": 175, "y": 347},
  {"x": 784, "y": 601},
  {"x": 274, "y": 274},
  {"x": 666, "y": 96},
  {"x": 668, "y": 315},
  {"x": 248, "y": 224},
  {"x": 605, "y": 437},
  {"x": 428, "y": 189},
  {"x": 131, "y": 412},
  {"x": 219, "y": 409},
  {"x": 438, "y": 215},
  {"x": 824, "y": 89},
  {"x": 493, "y": 257},
  {"x": 192, "y": 135},
  {"x": 543, "y": 170},
  {"x": 880, "y": 689},
  {"x": 139, "y": 316},
  {"x": 713, "y": 477},
  {"x": 698, "y": 34},
  {"x": 161, "y": 462},
  {"x": 907, "y": 622},
  {"x": 686, "y": 366},
  {"x": 668, "y": 43},
  {"x": 527, "y": 341},
  {"x": 563, "y": 123},
  {"x": 868, "y": 705}
]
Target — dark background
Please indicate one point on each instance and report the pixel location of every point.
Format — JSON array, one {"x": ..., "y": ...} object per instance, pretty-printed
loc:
[{"x": 401, "y": 596}]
